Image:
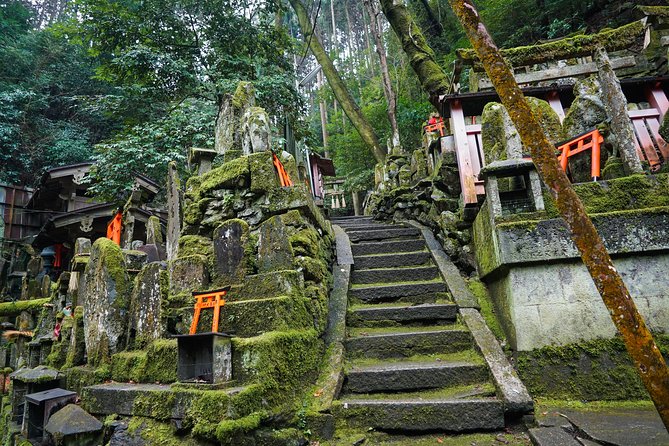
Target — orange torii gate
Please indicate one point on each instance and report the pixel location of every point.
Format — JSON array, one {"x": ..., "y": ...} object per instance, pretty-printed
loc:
[
  {"x": 208, "y": 299},
  {"x": 587, "y": 141}
]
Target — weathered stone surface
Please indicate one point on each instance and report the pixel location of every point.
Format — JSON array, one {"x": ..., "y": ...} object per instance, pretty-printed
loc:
[
  {"x": 412, "y": 376},
  {"x": 386, "y": 275},
  {"x": 174, "y": 209},
  {"x": 105, "y": 297},
  {"x": 275, "y": 283},
  {"x": 134, "y": 260},
  {"x": 393, "y": 292},
  {"x": 188, "y": 274},
  {"x": 587, "y": 111},
  {"x": 361, "y": 249},
  {"x": 274, "y": 249},
  {"x": 195, "y": 244},
  {"x": 73, "y": 423},
  {"x": 498, "y": 134},
  {"x": 154, "y": 232},
  {"x": 516, "y": 398},
  {"x": 405, "y": 314},
  {"x": 552, "y": 436},
  {"x": 256, "y": 132},
  {"x": 408, "y": 343},
  {"x": 230, "y": 252},
  {"x": 392, "y": 260},
  {"x": 381, "y": 234},
  {"x": 154, "y": 253},
  {"x": 424, "y": 415},
  {"x": 145, "y": 305},
  {"x": 615, "y": 104}
]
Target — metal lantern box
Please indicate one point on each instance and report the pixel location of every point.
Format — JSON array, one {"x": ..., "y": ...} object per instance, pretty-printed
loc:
[
  {"x": 204, "y": 358},
  {"x": 40, "y": 406}
]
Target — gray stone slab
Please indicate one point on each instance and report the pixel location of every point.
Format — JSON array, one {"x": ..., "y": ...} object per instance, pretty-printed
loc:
[
  {"x": 336, "y": 327},
  {"x": 451, "y": 274},
  {"x": 620, "y": 427},
  {"x": 411, "y": 376},
  {"x": 387, "y": 275},
  {"x": 361, "y": 249},
  {"x": 392, "y": 260},
  {"x": 420, "y": 416},
  {"x": 517, "y": 399},
  {"x": 409, "y": 343},
  {"x": 72, "y": 420},
  {"x": 343, "y": 247},
  {"x": 406, "y": 314},
  {"x": 394, "y": 292},
  {"x": 382, "y": 234},
  {"x": 552, "y": 436}
]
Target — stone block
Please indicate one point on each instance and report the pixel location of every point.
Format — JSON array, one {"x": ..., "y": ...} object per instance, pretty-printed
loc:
[
  {"x": 105, "y": 298},
  {"x": 82, "y": 246},
  {"x": 231, "y": 240},
  {"x": 188, "y": 274},
  {"x": 272, "y": 284},
  {"x": 134, "y": 260},
  {"x": 73, "y": 426},
  {"x": 145, "y": 305},
  {"x": 274, "y": 249}
]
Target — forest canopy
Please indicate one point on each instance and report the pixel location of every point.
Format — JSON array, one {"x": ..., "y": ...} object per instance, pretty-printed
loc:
[{"x": 138, "y": 83}]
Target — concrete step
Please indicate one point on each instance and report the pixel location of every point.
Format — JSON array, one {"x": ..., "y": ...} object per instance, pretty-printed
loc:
[
  {"x": 406, "y": 314},
  {"x": 390, "y": 293},
  {"x": 382, "y": 234},
  {"x": 411, "y": 376},
  {"x": 388, "y": 275},
  {"x": 392, "y": 260},
  {"x": 405, "y": 343},
  {"x": 361, "y": 249},
  {"x": 423, "y": 415}
]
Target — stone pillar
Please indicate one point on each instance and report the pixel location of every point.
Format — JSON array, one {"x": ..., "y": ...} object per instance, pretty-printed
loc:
[
  {"x": 173, "y": 211},
  {"x": 154, "y": 233},
  {"x": 357, "y": 208},
  {"x": 616, "y": 107},
  {"x": 230, "y": 258},
  {"x": 105, "y": 297}
]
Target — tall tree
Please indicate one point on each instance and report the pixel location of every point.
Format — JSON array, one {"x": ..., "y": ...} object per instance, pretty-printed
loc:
[
  {"x": 389, "y": 93},
  {"x": 636, "y": 336},
  {"x": 338, "y": 86},
  {"x": 421, "y": 57}
]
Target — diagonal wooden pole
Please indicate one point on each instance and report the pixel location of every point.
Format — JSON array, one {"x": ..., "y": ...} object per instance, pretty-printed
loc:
[{"x": 637, "y": 338}]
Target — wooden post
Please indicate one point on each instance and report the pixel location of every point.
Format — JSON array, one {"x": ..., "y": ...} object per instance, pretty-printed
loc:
[{"x": 463, "y": 154}]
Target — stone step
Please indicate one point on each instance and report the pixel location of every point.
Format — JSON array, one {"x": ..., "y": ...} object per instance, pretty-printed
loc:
[
  {"x": 370, "y": 227},
  {"x": 346, "y": 218},
  {"x": 382, "y": 234},
  {"x": 397, "y": 246},
  {"x": 390, "y": 293},
  {"x": 403, "y": 314},
  {"x": 423, "y": 415},
  {"x": 392, "y": 260},
  {"x": 119, "y": 399},
  {"x": 411, "y": 376},
  {"x": 406, "y": 343},
  {"x": 388, "y": 275}
]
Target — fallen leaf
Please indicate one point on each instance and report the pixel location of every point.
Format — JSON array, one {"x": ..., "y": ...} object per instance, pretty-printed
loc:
[
  {"x": 318, "y": 393},
  {"x": 439, "y": 440}
]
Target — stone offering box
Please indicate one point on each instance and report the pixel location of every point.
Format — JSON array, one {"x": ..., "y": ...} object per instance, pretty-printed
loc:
[
  {"x": 204, "y": 358},
  {"x": 40, "y": 406}
]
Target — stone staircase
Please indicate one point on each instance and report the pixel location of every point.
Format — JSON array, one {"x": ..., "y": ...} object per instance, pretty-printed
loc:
[{"x": 411, "y": 365}]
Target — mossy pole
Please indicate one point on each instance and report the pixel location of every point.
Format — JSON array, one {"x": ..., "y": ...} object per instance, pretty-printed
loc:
[
  {"x": 421, "y": 57},
  {"x": 636, "y": 336},
  {"x": 338, "y": 86}
]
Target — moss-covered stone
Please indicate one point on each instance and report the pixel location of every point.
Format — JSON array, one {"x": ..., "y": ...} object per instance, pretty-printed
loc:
[
  {"x": 77, "y": 349},
  {"x": 161, "y": 361},
  {"x": 234, "y": 432},
  {"x": 195, "y": 245},
  {"x": 128, "y": 366},
  {"x": 79, "y": 377},
  {"x": 594, "y": 370},
  {"x": 106, "y": 299},
  {"x": 230, "y": 175},
  {"x": 275, "y": 283},
  {"x": 156, "y": 433},
  {"x": 188, "y": 274},
  {"x": 15, "y": 308}
]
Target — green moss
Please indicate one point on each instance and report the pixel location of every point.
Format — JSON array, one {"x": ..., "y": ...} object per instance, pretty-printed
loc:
[
  {"x": 244, "y": 94},
  {"x": 568, "y": 47},
  {"x": 156, "y": 433},
  {"x": 231, "y": 432},
  {"x": 158, "y": 405},
  {"x": 161, "y": 361},
  {"x": 658, "y": 11},
  {"x": 128, "y": 366},
  {"x": 75, "y": 354},
  {"x": 230, "y": 175},
  {"x": 485, "y": 241},
  {"x": 80, "y": 377},
  {"x": 487, "y": 307},
  {"x": 631, "y": 192},
  {"x": 195, "y": 245},
  {"x": 263, "y": 173},
  {"x": 588, "y": 371},
  {"x": 15, "y": 308},
  {"x": 255, "y": 316}
]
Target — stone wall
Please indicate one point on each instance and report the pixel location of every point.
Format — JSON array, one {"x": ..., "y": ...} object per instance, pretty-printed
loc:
[{"x": 542, "y": 290}]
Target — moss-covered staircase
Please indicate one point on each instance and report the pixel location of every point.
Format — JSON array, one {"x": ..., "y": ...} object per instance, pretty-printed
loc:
[{"x": 411, "y": 365}]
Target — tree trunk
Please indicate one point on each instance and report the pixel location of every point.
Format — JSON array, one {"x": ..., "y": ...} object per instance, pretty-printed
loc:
[
  {"x": 435, "y": 25},
  {"x": 391, "y": 98},
  {"x": 337, "y": 84},
  {"x": 368, "y": 56},
  {"x": 432, "y": 77},
  {"x": 324, "y": 117},
  {"x": 638, "y": 340}
]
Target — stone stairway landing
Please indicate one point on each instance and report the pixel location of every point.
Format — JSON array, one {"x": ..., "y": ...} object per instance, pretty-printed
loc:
[{"x": 411, "y": 365}]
